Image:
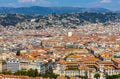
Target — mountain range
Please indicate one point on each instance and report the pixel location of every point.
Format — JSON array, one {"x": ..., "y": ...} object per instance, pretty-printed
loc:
[
  {"x": 49, "y": 10},
  {"x": 66, "y": 19},
  {"x": 74, "y": 15}
]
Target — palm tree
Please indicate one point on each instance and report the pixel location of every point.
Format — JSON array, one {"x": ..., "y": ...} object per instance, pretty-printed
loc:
[
  {"x": 86, "y": 76},
  {"x": 97, "y": 75},
  {"x": 106, "y": 76}
]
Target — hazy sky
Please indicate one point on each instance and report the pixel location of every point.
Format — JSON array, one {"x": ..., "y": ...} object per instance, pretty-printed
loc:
[{"x": 109, "y": 4}]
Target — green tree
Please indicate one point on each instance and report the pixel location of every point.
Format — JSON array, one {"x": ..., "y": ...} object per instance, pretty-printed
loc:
[
  {"x": 106, "y": 75},
  {"x": 50, "y": 70},
  {"x": 30, "y": 73},
  {"x": 118, "y": 75},
  {"x": 97, "y": 75},
  {"x": 17, "y": 73},
  {"x": 49, "y": 73},
  {"x": 67, "y": 77},
  {"x": 18, "y": 53},
  {"x": 53, "y": 75},
  {"x": 113, "y": 77},
  {"x": 20, "y": 72},
  {"x": 8, "y": 72},
  {"x": 79, "y": 76},
  {"x": 86, "y": 76},
  {"x": 36, "y": 73}
]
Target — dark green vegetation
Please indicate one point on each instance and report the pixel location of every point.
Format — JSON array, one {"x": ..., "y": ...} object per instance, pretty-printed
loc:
[
  {"x": 13, "y": 19},
  {"x": 30, "y": 73},
  {"x": 97, "y": 76},
  {"x": 18, "y": 53},
  {"x": 113, "y": 76},
  {"x": 62, "y": 20},
  {"x": 8, "y": 72},
  {"x": 33, "y": 73},
  {"x": 73, "y": 68}
]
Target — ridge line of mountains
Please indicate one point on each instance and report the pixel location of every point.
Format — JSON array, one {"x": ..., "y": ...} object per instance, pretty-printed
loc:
[
  {"x": 49, "y": 10},
  {"x": 74, "y": 15}
]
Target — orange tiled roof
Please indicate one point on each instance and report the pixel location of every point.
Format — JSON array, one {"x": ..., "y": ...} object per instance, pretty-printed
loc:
[
  {"x": 82, "y": 67},
  {"x": 75, "y": 56},
  {"x": 107, "y": 67},
  {"x": 14, "y": 76},
  {"x": 72, "y": 77},
  {"x": 62, "y": 77},
  {"x": 62, "y": 61},
  {"x": 116, "y": 60}
]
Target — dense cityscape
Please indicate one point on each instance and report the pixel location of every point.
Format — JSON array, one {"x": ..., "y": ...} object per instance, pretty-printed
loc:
[
  {"x": 59, "y": 39},
  {"x": 88, "y": 51}
]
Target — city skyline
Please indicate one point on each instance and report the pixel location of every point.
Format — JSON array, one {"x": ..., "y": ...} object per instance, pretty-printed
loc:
[{"x": 108, "y": 4}]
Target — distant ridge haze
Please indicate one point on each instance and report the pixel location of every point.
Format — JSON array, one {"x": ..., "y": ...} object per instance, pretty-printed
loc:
[{"x": 49, "y": 10}]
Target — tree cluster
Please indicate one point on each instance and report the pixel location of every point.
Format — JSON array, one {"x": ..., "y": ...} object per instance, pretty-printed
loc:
[
  {"x": 33, "y": 73},
  {"x": 113, "y": 76}
]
